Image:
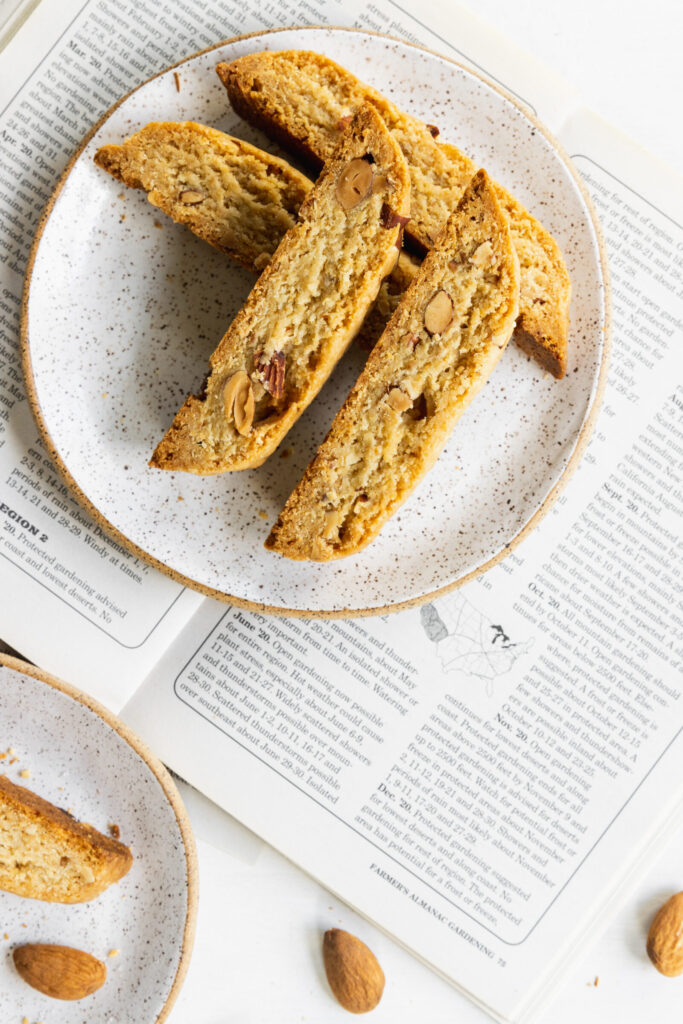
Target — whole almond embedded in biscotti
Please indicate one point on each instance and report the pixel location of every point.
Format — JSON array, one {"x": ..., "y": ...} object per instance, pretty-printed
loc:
[
  {"x": 438, "y": 312},
  {"x": 352, "y": 970},
  {"x": 60, "y": 972},
  {"x": 239, "y": 402},
  {"x": 355, "y": 183}
]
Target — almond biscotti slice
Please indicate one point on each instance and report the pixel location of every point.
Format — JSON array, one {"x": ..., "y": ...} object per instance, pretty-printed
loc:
[
  {"x": 303, "y": 99},
  {"x": 46, "y": 854},
  {"x": 542, "y": 328},
  {"x": 435, "y": 355},
  {"x": 234, "y": 196},
  {"x": 238, "y": 198},
  {"x": 302, "y": 312}
]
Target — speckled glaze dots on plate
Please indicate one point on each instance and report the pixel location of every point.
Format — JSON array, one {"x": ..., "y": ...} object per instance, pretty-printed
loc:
[
  {"x": 80, "y": 757},
  {"x": 121, "y": 318}
]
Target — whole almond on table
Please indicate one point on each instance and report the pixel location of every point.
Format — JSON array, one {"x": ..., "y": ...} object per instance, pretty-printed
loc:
[
  {"x": 353, "y": 973},
  {"x": 60, "y": 972},
  {"x": 665, "y": 938}
]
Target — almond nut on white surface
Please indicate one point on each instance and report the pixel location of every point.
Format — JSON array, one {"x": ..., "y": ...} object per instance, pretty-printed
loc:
[
  {"x": 60, "y": 972},
  {"x": 352, "y": 970},
  {"x": 665, "y": 938}
]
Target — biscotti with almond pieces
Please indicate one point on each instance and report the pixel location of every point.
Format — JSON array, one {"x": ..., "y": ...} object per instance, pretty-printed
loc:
[
  {"x": 303, "y": 99},
  {"x": 238, "y": 198},
  {"x": 231, "y": 194},
  {"x": 303, "y": 311},
  {"x": 435, "y": 355},
  {"x": 46, "y": 854}
]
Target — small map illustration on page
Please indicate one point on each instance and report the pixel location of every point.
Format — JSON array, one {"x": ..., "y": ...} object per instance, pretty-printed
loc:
[{"x": 467, "y": 641}]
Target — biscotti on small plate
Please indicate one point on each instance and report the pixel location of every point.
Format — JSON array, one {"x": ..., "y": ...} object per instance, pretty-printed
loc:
[
  {"x": 435, "y": 355},
  {"x": 303, "y": 100},
  {"x": 303, "y": 311},
  {"x": 46, "y": 854},
  {"x": 234, "y": 196}
]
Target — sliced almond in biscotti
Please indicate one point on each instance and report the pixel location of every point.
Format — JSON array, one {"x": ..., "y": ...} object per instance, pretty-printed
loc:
[
  {"x": 236, "y": 197},
  {"x": 435, "y": 355},
  {"x": 303, "y": 99},
  {"x": 303, "y": 311},
  {"x": 47, "y": 855}
]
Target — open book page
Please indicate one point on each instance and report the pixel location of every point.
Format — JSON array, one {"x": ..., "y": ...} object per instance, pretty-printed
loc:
[
  {"x": 483, "y": 776},
  {"x": 65, "y": 66}
]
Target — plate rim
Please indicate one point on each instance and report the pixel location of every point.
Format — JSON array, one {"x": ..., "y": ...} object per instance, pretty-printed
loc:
[
  {"x": 338, "y": 613},
  {"x": 169, "y": 790}
]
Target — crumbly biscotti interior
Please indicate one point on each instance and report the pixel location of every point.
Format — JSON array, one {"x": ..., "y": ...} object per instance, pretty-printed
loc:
[
  {"x": 436, "y": 353},
  {"x": 303, "y": 99},
  {"x": 303, "y": 311},
  {"x": 47, "y": 855},
  {"x": 233, "y": 195}
]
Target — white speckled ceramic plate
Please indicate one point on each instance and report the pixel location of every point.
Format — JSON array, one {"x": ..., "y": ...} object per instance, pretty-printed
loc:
[
  {"x": 81, "y": 757},
  {"x": 121, "y": 317}
]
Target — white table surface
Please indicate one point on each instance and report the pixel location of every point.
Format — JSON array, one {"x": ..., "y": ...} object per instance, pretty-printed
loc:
[
  {"x": 257, "y": 954},
  {"x": 623, "y": 55},
  {"x": 257, "y": 950}
]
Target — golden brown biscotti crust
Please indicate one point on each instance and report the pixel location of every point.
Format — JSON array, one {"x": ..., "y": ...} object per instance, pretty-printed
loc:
[
  {"x": 302, "y": 99},
  {"x": 46, "y": 854},
  {"x": 236, "y": 197},
  {"x": 303, "y": 311},
  {"x": 435, "y": 355}
]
